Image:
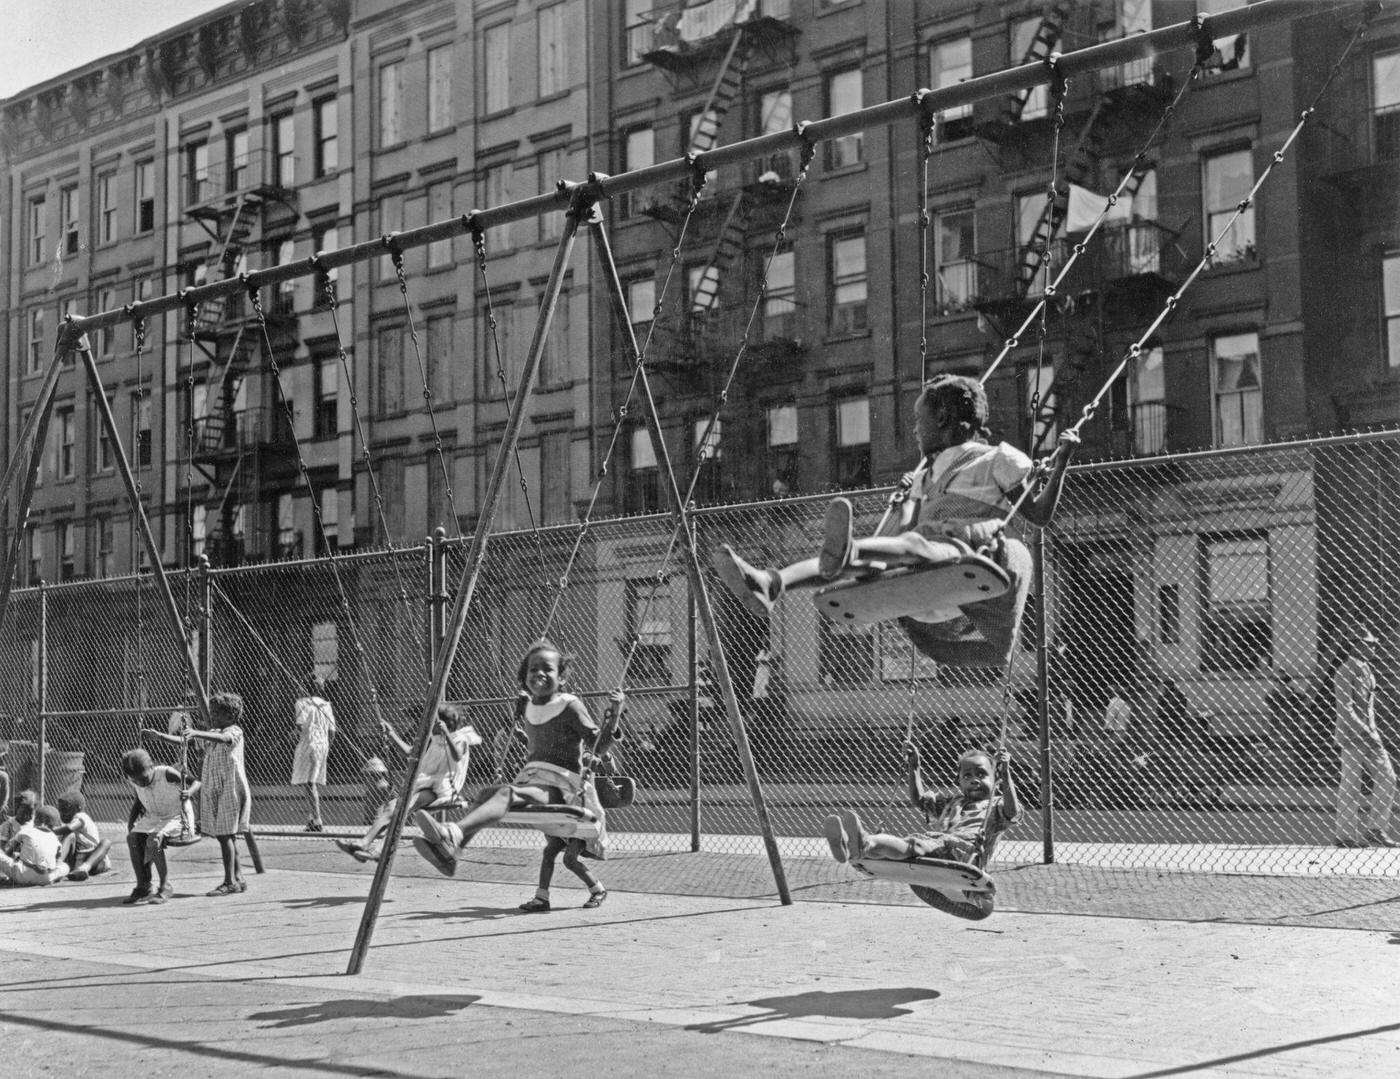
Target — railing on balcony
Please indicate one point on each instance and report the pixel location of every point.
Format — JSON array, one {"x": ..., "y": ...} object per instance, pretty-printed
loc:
[
  {"x": 680, "y": 27},
  {"x": 252, "y": 171},
  {"x": 1385, "y": 133},
  {"x": 1361, "y": 140},
  {"x": 225, "y": 430}
]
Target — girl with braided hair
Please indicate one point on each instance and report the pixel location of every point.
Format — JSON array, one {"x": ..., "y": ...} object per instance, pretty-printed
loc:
[{"x": 959, "y": 497}]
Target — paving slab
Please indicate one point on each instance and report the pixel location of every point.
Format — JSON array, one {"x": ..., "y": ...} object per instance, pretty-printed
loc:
[{"x": 1078, "y": 973}]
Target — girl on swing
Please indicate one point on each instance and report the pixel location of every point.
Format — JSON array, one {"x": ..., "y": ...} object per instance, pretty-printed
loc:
[
  {"x": 558, "y": 731},
  {"x": 961, "y": 492}
]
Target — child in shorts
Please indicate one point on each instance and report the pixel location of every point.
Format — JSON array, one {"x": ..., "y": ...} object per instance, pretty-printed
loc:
[
  {"x": 36, "y": 859},
  {"x": 84, "y": 851},
  {"x": 157, "y": 814}
]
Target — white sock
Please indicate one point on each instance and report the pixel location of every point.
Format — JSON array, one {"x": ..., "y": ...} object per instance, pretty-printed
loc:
[
  {"x": 596, "y": 889},
  {"x": 542, "y": 893}
]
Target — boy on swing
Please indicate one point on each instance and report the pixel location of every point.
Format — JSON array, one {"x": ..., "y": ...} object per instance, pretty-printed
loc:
[
  {"x": 964, "y": 823},
  {"x": 960, "y": 495}
]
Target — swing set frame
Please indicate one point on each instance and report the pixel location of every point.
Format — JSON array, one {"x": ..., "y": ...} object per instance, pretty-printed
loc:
[{"x": 580, "y": 202}]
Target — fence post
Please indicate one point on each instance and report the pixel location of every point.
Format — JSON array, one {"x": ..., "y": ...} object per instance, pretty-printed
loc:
[
  {"x": 43, "y": 686},
  {"x": 1042, "y": 695},
  {"x": 206, "y": 621},
  {"x": 437, "y": 594},
  {"x": 693, "y": 712}
]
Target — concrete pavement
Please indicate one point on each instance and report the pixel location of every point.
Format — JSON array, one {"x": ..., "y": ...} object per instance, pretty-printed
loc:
[{"x": 1081, "y": 972}]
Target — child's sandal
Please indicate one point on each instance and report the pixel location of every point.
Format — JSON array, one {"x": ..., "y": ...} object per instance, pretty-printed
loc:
[
  {"x": 595, "y": 900},
  {"x": 223, "y": 889},
  {"x": 535, "y": 906}
]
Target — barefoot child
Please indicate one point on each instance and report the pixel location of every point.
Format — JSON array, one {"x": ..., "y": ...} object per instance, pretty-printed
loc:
[
  {"x": 962, "y": 490},
  {"x": 84, "y": 850},
  {"x": 965, "y": 822},
  {"x": 225, "y": 799},
  {"x": 36, "y": 860},
  {"x": 442, "y": 771},
  {"x": 157, "y": 813},
  {"x": 558, "y": 729}
]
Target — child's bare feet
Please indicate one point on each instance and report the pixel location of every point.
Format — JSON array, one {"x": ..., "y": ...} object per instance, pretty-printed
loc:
[
  {"x": 837, "y": 541},
  {"x": 438, "y": 844},
  {"x": 758, "y": 588},
  {"x": 855, "y": 834},
  {"x": 836, "y": 837}
]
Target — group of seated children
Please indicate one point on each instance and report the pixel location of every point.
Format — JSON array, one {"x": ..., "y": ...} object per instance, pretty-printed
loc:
[{"x": 43, "y": 844}]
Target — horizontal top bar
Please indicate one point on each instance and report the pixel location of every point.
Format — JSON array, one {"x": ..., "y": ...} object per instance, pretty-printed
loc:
[{"x": 572, "y": 197}]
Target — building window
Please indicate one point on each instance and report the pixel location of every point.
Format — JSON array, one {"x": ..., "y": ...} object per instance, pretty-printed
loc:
[
  {"x": 440, "y": 209},
  {"x": 197, "y": 186},
  {"x": 1237, "y": 633},
  {"x": 1390, "y": 304},
  {"x": 954, "y": 254},
  {"x": 638, "y": 152},
  {"x": 143, "y": 430},
  {"x": 1231, "y": 53},
  {"x": 843, "y": 94},
  {"x": 1169, "y": 614},
  {"x": 643, "y": 489},
  {"x": 649, "y": 625},
  {"x": 847, "y": 284},
  {"x": 783, "y": 451},
  {"x": 199, "y": 531},
  {"x": 34, "y": 550},
  {"x": 236, "y": 160},
  {"x": 1147, "y": 389},
  {"x": 780, "y": 298},
  {"x": 107, "y": 208},
  {"x": 439, "y": 88},
  {"x": 1227, "y": 180},
  {"x": 288, "y": 537},
  {"x": 104, "y": 460},
  {"x": 325, "y": 241},
  {"x": 550, "y": 168},
  {"x": 637, "y": 29},
  {"x": 438, "y": 358},
  {"x": 496, "y": 62},
  {"x": 37, "y": 218},
  {"x": 390, "y": 221},
  {"x": 67, "y": 446},
  {"x": 1239, "y": 397},
  {"x": 853, "y": 442},
  {"x": 555, "y": 476},
  {"x": 101, "y": 548},
  {"x": 496, "y": 182},
  {"x": 328, "y": 539},
  {"x": 391, "y": 104},
  {"x": 641, "y": 306},
  {"x": 702, "y": 281},
  {"x": 775, "y": 115},
  {"x": 554, "y": 361},
  {"x": 284, "y": 149},
  {"x": 326, "y": 116},
  {"x": 388, "y": 366},
  {"x": 1023, "y": 51},
  {"x": 39, "y": 469},
  {"x": 67, "y": 551},
  {"x": 950, "y": 62},
  {"x": 325, "y": 421},
  {"x": 68, "y": 219},
  {"x": 107, "y": 336},
  {"x": 1385, "y": 106},
  {"x": 553, "y": 55},
  {"x": 145, "y": 196},
  {"x": 37, "y": 344}
]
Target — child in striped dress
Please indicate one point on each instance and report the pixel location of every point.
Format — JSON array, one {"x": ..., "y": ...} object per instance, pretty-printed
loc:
[
  {"x": 226, "y": 798},
  {"x": 157, "y": 814}
]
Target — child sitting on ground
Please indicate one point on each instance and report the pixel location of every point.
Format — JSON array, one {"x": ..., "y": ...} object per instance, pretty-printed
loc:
[
  {"x": 442, "y": 772},
  {"x": 962, "y": 490},
  {"x": 157, "y": 815},
  {"x": 966, "y": 822},
  {"x": 558, "y": 729},
  {"x": 84, "y": 850},
  {"x": 25, "y": 804},
  {"x": 36, "y": 860}
]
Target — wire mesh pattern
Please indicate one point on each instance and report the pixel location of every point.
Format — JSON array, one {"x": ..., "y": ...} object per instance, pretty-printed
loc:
[{"x": 1194, "y": 605}]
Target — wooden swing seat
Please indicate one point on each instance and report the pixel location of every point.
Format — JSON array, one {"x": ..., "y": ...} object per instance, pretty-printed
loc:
[
  {"x": 933, "y": 593},
  {"x": 952, "y": 880},
  {"x": 564, "y": 821}
]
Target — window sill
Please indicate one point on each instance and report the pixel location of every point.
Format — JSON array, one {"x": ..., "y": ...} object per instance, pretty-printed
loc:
[
  {"x": 1234, "y": 266},
  {"x": 1220, "y": 78},
  {"x": 440, "y": 133},
  {"x": 832, "y": 171},
  {"x": 391, "y": 147},
  {"x": 499, "y": 114},
  {"x": 443, "y": 268},
  {"x": 558, "y": 95},
  {"x": 854, "y": 335}
]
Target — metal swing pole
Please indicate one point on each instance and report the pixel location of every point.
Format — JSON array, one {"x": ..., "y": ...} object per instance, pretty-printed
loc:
[
  {"x": 683, "y": 523},
  {"x": 74, "y": 341},
  {"x": 579, "y": 199}
]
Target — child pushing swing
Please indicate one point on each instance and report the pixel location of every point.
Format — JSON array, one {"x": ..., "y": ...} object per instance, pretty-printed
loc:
[{"x": 558, "y": 731}]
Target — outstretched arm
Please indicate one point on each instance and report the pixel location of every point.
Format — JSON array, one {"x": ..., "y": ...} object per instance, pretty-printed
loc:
[
  {"x": 915, "y": 778},
  {"x": 173, "y": 739},
  {"x": 611, "y": 730},
  {"x": 1010, "y": 804},
  {"x": 393, "y": 736},
  {"x": 1040, "y": 510}
]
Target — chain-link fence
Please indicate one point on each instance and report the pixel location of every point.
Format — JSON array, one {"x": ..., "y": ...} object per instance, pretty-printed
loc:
[{"x": 1194, "y": 608}]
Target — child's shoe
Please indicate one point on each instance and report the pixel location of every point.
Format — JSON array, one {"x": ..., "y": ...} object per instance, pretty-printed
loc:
[
  {"x": 836, "y": 837},
  {"x": 350, "y": 847},
  {"x": 595, "y": 900},
  {"x": 77, "y": 875},
  {"x": 438, "y": 844},
  {"x": 855, "y": 835},
  {"x": 535, "y": 906},
  {"x": 138, "y": 894},
  {"x": 837, "y": 541},
  {"x": 759, "y": 589}
]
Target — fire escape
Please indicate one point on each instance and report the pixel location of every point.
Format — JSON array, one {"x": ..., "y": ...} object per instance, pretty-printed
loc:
[{"x": 240, "y": 435}]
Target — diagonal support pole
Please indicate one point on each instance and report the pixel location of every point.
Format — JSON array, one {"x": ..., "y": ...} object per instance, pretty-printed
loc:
[
  {"x": 74, "y": 341},
  {"x": 581, "y": 199},
  {"x": 684, "y": 525}
]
